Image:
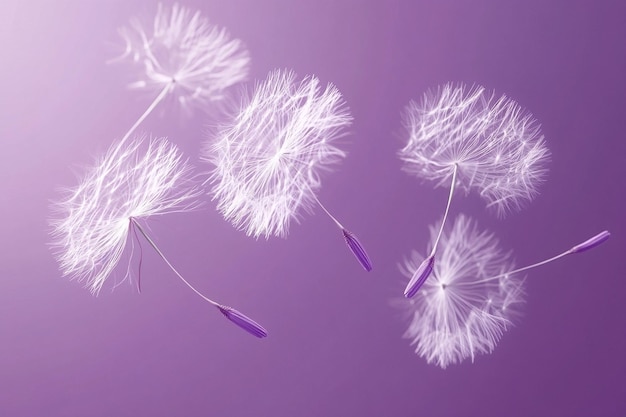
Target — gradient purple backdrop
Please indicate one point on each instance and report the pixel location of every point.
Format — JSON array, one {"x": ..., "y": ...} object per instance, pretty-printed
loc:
[{"x": 335, "y": 346}]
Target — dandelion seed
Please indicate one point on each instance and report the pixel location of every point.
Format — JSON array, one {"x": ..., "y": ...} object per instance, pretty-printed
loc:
[
  {"x": 268, "y": 159},
  {"x": 472, "y": 297},
  {"x": 591, "y": 243},
  {"x": 183, "y": 56},
  {"x": 243, "y": 321},
  {"x": 357, "y": 249},
  {"x": 477, "y": 142},
  {"x": 230, "y": 313},
  {"x": 135, "y": 180},
  {"x": 581, "y": 247},
  {"x": 420, "y": 275},
  {"x": 461, "y": 311}
]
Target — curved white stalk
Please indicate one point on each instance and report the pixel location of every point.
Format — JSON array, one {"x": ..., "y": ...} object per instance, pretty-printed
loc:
[
  {"x": 236, "y": 317},
  {"x": 333, "y": 218},
  {"x": 149, "y": 110},
  {"x": 351, "y": 240},
  {"x": 445, "y": 215},
  {"x": 156, "y": 248},
  {"x": 588, "y": 244}
]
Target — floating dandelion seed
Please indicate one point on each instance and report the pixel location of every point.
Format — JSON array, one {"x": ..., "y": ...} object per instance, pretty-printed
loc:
[
  {"x": 420, "y": 275},
  {"x": 240, "y": 319},
  {"x": 581, "y": 247},
  {"x": 268, "y": 159},
  {"x": 475, "y": 141},
  {"x": 458, "y": 313},
  {"x": 472, "y": 296},
  {"x": 183, "y": 56},
  {"x": 133, "y": 181},
  {"x": 92, "y": 223},
  {"x": 243, "y": 321}
]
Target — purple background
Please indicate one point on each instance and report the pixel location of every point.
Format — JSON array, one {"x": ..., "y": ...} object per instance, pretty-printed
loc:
[{"x": 335, "y": 346}]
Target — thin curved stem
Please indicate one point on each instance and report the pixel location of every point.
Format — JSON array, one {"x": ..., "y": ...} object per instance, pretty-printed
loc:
[
  {"x": 351, "y": 240},
  {"x": 554, "y": 258},
  {"x": 151, "y": 242},
  {"x": 547, "y": 261},
  {"x": 132, "y": 224},
  {"x": 588, "y": 244},
  {"x": 445, "y": 215},
  {"x": 327, "y": 212},
  {"x": 149, "y": 110}
]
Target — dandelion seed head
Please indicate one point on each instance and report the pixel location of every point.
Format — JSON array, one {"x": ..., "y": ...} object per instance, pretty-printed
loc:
[
  {"x": 461, "y": 311},
  {"x": 269, "y": 158},
  {"x": 499, "y": 148},
  {"x": 181, "y": 49},
  {"x": 90, "y": 224}
]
